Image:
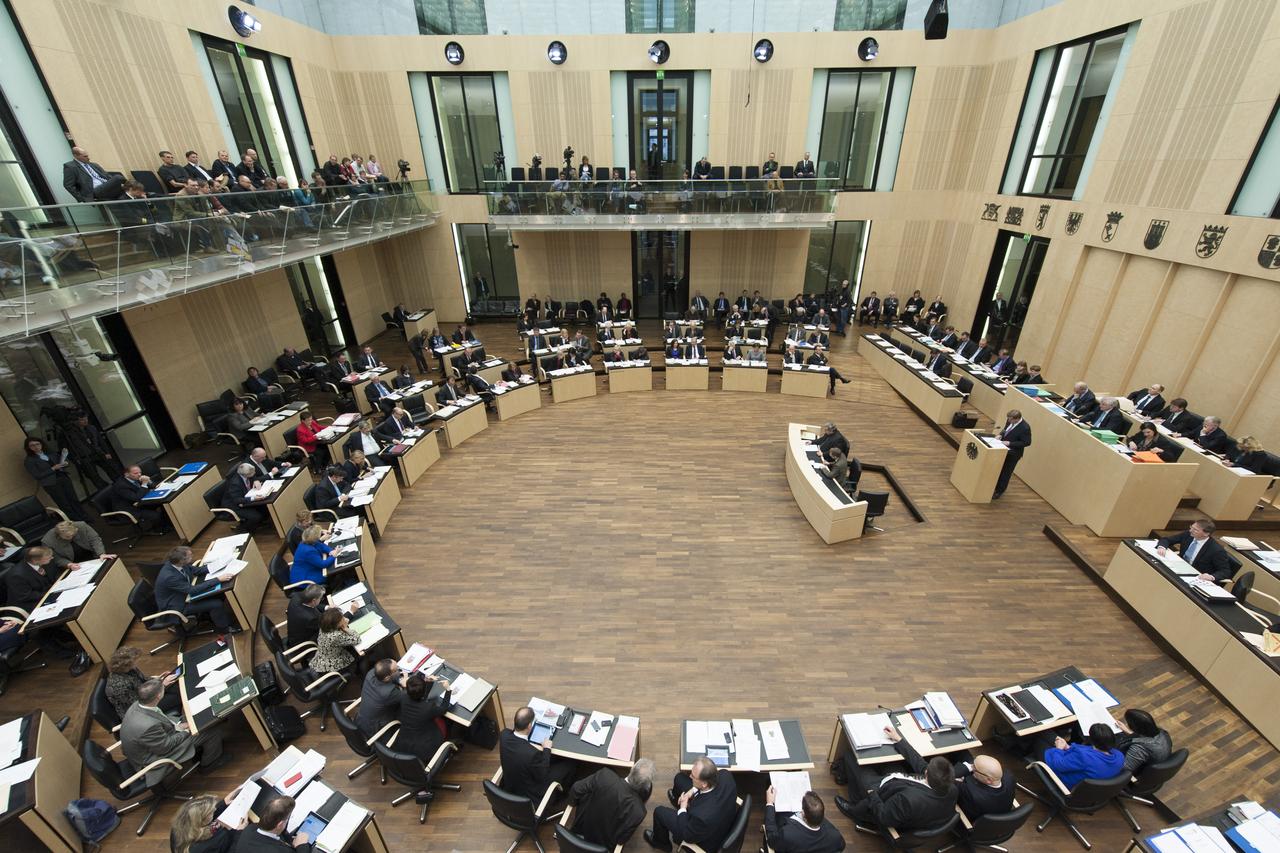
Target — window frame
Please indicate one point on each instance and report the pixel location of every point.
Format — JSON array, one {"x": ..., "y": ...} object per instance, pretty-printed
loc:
[
  {"x": 631, "y": 30},
  {"x": 884, "y": 123},
  {"x": 835, "y": 22},
  {"x": 432, "y": 76},
  {"x": 1272, "y": 126}
]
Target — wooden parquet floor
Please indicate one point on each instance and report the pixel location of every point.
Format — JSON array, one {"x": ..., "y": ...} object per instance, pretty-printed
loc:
[{"x": 641, "y": 553}]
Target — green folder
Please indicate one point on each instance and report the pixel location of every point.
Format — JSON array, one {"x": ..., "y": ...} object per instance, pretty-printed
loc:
[
  {"x": 236, "y": 691},
  {"x": 1106, "y": 436},
  {"x": 365, "y": 622}
]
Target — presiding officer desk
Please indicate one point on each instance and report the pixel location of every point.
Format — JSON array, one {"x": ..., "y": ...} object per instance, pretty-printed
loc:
[
  {"x": 832, "y": 511},
  {"x": 936, "y": 398},
  {"x": 1092, "y": 483},
  {"x": 420, "y": 322},
  {"x": 699, "y": 737},
  {"x": 88, "y": 602},
  {"x": 472, "y": 696},
  {"x": 989, "y": 387},
  {"x": 182, "y": 496},
  {"x": 32, "y": 817},
  {"x": 1216, "y": 635}
]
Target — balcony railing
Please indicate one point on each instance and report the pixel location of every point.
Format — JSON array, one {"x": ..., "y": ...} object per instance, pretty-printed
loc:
[
  {"x": 63, "y": 263},
  {"x": 681, "y": 205}
]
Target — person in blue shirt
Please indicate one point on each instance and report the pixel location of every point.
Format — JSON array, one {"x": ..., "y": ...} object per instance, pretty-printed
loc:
[
  {"x": 312, "y": 559},
  {"x": 1075, "y": 762}
]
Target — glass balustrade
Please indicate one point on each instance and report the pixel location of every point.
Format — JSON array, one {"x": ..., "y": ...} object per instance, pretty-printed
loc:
[
  {"x": 794, "y": 198},
  {"x": 63, "y": 263}
]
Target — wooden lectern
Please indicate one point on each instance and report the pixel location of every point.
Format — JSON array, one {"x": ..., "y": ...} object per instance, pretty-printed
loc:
[{"x": 977, "y": 467}]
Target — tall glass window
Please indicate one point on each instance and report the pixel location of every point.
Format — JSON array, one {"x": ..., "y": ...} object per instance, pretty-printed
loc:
[
  {"x": 451, "y": 17},
  {"x": 835, "y": 254},
  {"x": 870, "y": 14},
  {"x": 1061, "y": 115},
  {"x": 660, "y": 16},
  {"x": 853, "y": 125},
  {"x": 316, "y": 306},
  {"x": 466, "y": 110},
  {"x": 1259, "y": 190},
  {"x": 16, "y": 186},
  {"x": 489, "y": 267}
]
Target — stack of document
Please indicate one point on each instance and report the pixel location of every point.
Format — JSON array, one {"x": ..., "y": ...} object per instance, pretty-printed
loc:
[
  {"x": 789, "y": 788},
  {"x": 341, "y": 828},
  {"x": 293, "y": 769},
  {"x": 240, "y": 805},
  {"x": 546, "y": 712},
  {"x": 596, "y": 732},
  {"x": 417, "y": 655},
  {"x": 867, "y": 730},
  {"x": 746, "y": 744},
  {"x": 350, "y": 593},
  {"x": 625, "y": 733},
  {"x": 312, "y": 798},
  {"x": 1261, "y": 833},
  {"x": 10, "y": 742},
  {"x": 944, "y": 710}
]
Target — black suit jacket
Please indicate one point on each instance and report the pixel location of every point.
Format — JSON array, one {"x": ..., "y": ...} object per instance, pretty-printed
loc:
[
  {"x": 710, "y": 814},
  {"x": 905, "y": 804},
  {"x": 376, "y": 391},
  {"x": 1112, "y": 420},
  {"x": 25, "y": 586},
  {"x": 981, "y": 355},
  {"x": 977, "y": 798},
  {"x": 447, "y": 394},
  {"x": 125, "y": 493},
  {"x": 1019, "y": 438},
  {"x": 1183, "y": 423},
  {"x": 941, "y": 365},
  {"x": 379, "y": 703},
  {"x": 251, "y": 840},
  {"x": 303, "y": 622},
  {"x": 950, "y": 340},
  {"x": 199, "y": 173},
  {"x": 1156, "y": 403},
  {"x": 77, "y": 181},
  {"x": 327, "y": 493},
  {"x": 607, "y": 810},
  {"x": 786, "y": 835},
  {"x": 233, "y": 497},
  {"x": 392, "y": 429},
  {"x": 173, "y": 585},
  {"x": 418, "y": 733},
  {"x": 1218, "y": 441},
  {"x": 1211, "y": 559},
  {"x": 1083, "y": 406},
  {"x": 525, "y": 768}
]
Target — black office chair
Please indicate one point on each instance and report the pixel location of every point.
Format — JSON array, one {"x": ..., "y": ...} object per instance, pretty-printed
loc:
[
  {"x": 309, "y": 501},
  {"x": 128, "y": 783},
  {"x": 388, "y": 321},
  {"x": 213, "y": 500},
  {"x": 359, "y": 744},
  {"x": 1148, "y": 781},
  {"x": 212, "y": 417},
  {"x": 570, "y": 842},
  {"x": 965, "y": 386},
  {"x": 101, "y": 501},
  {"x": 298, "y": 653},
  {"x": 409, "y": 770},
  {"x": 518, "y": 812},
  {"x": 101, "y": 709},
  {"x": 876, "y": 503},
  {"x": 912, "y": 839},
  {"x": 150, "y": 182},
  {"x": 990, "y": 831},
  {"x": 152, "y": 469},
  {"x": 278, "y": 568},
  {"x": 1087, "y": 797},
  {"x": 309, "y": 686},
  {"x": 26, "y": 520},
  {"x": 142, "y": 601},
  {"x": 737, "y": 832},
  {"x": 18, "y": 658}
]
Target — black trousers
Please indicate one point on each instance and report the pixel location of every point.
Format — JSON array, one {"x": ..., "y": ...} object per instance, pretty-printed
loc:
[
  {"x": 216, "y": 607},
  {"x": 866, "y": 778},
  {"x": 834, "y": 375},
  {"x": 63, "y": 493},
  {"x": 665, "y": 818},
  {"x": 1006, "y": 471},
  {"x": 251, "y": 518},
  {"x": 423, "y": 366},
  {"x": 108, "y": 190}
]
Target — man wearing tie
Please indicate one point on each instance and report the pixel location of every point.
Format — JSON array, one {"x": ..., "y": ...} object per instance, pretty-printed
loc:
[
  {"x": 195, "y": 170},
  {"x": 395, "y": 425},
  {"x": 236, "y": 497},
  {"x": 1082, "y": 403},
  {"x": 721, "y": 309},
  {"x": 1004, "y": 364},
  {"x": 1177, "y": 419},
  {"x": 941, "y": 366},
  {"x": 1016, "y": 436},
  {"x": 805, "y": 169},
  {"x": 705, "y": 803},
  {"x": 870, "y": 309},
  {"x": 699, "y": 305},
  {"x": 537, "y": 342},
  {"x": 1108, "y": 416},
  {"x": 87, "y": 181},
  {"x": 695, "y": 352},
  {"x": 264, "y": 466},
  {"x": 177, "y": 581},
  {"x": 368, "y": 361},
  {"x": 1148, "y": 401},
  {"x": 999, "y": 311},
  {"x": 1212, "y": 437},
  {"x": 330, "y": 493},
  {"x": 125, "y": 494},
  {"x": 480, "y": 385},
  {"x": 982, "y": 354},
  {"x": 450, "y": 392},
  {"x": 379, "y": 394},
  {"x": 1197, "y": 546}
]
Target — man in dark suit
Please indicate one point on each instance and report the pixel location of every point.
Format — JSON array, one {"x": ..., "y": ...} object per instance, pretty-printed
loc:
[
  {"x": 450, "y": 392},
  {"x": 125, "y": 493},
  {"x": 984, "y": 787},
  {"x": 1197, "y": 546},
  {"x": 1004, "y": 365},
  {"x": 607, "y": 808},
  {"x": 870, "y": 309},
  {"x": 982, "y": 354},
  {"x": 395, "y": 425},
  {"x": 379, "y": 697},
  {"x": 805, "y": 167},
  {"x": 1212, "y": 437},
  {"x": 948, "y": 338},
  {"x": 264, "y": 467},
  {"x": 340, "y": 368},
  {"x": 178, "y": 580},
  {"x": 806, "y": 832},
  {"x": 271, "y": 835},
  {"x": 528, "y": 769},
  {"x": 1036, "y": 378},
  {"x": 1148, "y": 401},
  {"x": 694, "y": 352},
  {"x": 367, "y": 360},
  {"x": 1177, "y": 419},
  {"x": 721, "y": 309},
  {"x": 941, "y": 366},
  {"x": 331, "y": 494},
  {"x": 418, "y": 349},
  {"x": 28, "y": 581},
  {"x": 290, "y": 362},
  {"x": 235, "y": 497},
  {"x": 1082, "y": 403},
  {"x": 1016, "y": 436},
  {"x": 303, "y": 615},
  {"x": 537, "y": 341},
  {"x": 963, "y": 346},
  {"x": 831, "y": 437},
  {"x": 87, "y": 181},
  {"x": 255, "y": 384},
  {"x": 936, "y": 332},
  {"x": 938, "y": 308},
  {"x": 195, "y": 171},
  {"x": 705, "y": 801},
  {"x": 378, "y": 393},
  {"x": 1108, "y": 416},
  {"x": 480, "y": 385},
  {"x": 898, "y": 801}
]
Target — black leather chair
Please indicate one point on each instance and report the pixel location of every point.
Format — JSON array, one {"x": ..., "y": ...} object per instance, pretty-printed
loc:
[
  {"x": 213, "y": 500},
  {"x": 1087, "y": 797},
  {"x": 912, "y": 839},
  {"x": 419, "y": 409},
  {"x": 990, "y": 831},
  {"x": 737, "y": 832},
  {"x": 298, "y": 653},
  {"x": 409, "y": 770},
  {"x": 1148, "y": 781},
  {"x": 26, "y": 520},
  {"x": 19, "y": 658},
  {"x": 518, "y": 812},
  {"x": 309, "y": 686},
  {"x": 359, "y": 744},
  {"x": 278, "y": 568},
  {"x": 876, "y": 503},
  {"x": 125, "y": 782},
  {"x": 101, "y": 709},
  {"x": 142, "y": 601},
  {"x": 309, "y": 501},
  {"x": 965, "y": 386},
  {"x": 101, "y": 501}
]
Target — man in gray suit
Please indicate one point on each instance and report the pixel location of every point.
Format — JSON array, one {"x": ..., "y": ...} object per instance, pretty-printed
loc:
[
  {"x": 87, "y": 181},
  {"x": 148, "y": 734}
]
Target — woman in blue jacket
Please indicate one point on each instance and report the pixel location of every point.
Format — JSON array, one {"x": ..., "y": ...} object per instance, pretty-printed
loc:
[{"x": 313, "y": 559}]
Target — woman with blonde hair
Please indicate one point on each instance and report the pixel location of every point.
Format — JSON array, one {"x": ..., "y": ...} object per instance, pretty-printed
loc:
[
  {"x": 196, "y": 828},
  {"x": 1250, "y": 456}
]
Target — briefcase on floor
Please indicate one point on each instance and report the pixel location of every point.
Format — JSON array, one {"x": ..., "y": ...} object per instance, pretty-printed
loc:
[
  {"x": 483, "y": 732},
  {"x": 964, "y": 420}
]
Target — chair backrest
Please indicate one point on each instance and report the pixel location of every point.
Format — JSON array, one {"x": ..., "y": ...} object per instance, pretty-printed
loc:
[
  {"x": 101, "y": 500},
  {"x": 510, "y": 810},
  {"x": 270, "y": 636},
  {"x": 150, "y": 467},
  {"x": 211, "y": 414},
  {"x": 142, "y": 601},
  {"x": 228, "y": 397},
  {"x": 717, "y": 173},
  {"x": 100, "y": 707},
  {"x": 386, "y": 318},
  {"x": 1243, "y": 586},
  {"x": 876, "y": 502},
  {"x": 355, "y": 740},
  {"x": 999, "y": 828},
  {"x": 1092, "y": 794},
  {"x": 279, "y": 568},
  {"x": 911, "y": 839},
  {"x": 517, "y": 173},
  {"x": 103, "y": 768},
  {"x": 309, "y": 497},
  {"x": 735, "y": 173},
  {"x": 786, "y": 172},
  {"x": 753, "y": 173},
  {"x": 402, "y": 766},
  {"x": 1152, "y": 777},
  {"x": 965, "y": 385},
  {"x": 738, "y": 830},
  {"x": 296, "y": 678},
  {"x": 213, "y": 497},
  {"x": 571, "y": 842},
  {"x": 27, "y": 518}
]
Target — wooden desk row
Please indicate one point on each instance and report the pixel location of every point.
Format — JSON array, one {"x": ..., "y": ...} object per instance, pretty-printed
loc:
[{"x": 939, "y": 404}]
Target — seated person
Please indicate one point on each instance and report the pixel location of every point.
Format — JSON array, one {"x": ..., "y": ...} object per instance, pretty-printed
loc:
[
  {"x": 792, "y": 355},
  {"x": 125, "y": 493},
  {"x": 513, "y": 373},
  {"x": 1177, "y": 419},
  {"x": 706, "y": 805},
  {"x": 607, "y": 809},
  {"x": 264, "y": 467},
  {"x": 695, "y": 352},
  {"x": 870, "y": 309},
  {"x": 302, "y": 616},
  {"x": 1197, "y": 546},
  {"x": 673, "y": 349},
  {"x": 845, "y": 471},
  {"x": 831, "y": 437},
  {"x": 378, "y": 393},
  {"x": 1212, "y": 437},
  {"x": 570, "y": 358},
  {"x": 479, "y": 385},
  {"x": 1250, "y": 456},
  {"x": 1141, "y": 740},
  {"x": 394, "y": 425},
  {"x": 236, "y": 497},
  {"x": 239, "y": 420},
  {"x": 1147, "y": 440},
  {"x": 331, "y": 493},
  {"x": 451, "y": 392},
  {"x": 1036, "y": 378},
  {"x": 756, "y": 354},
  {"x": 313, "y": 558},
  {"x": 528, "y": 770},
  {"x": 196, "y": 828},
  {"x": 124, "y": 678},
  {"x": 435, "y": 340},
  {"x": 356, "y": 466},
  {"x": 423, "y": 704},
  {"x": 255, "y": 384},
  {"x": 1147, "y": 401},
  {"x": 638, "y": 354},
  {"x": 1004, "y": 364},
  {"x": 731, "y": 353},
  {"x": 1108, "y": 416},
  {"x": 1082, "y": 403},
  {"x": 334, "y": 644},
  {"x": 581, "y": 344},
  {"x": 271, "y": 836},
  {"x": 1072, "y": 763},
  {"x": 1021, "y": 375},
  {"x": 379, "y": 697},
  {"x": 985, "y": 787},
  {"x": 178, "y": 580},
  {"x": 819, "y": 359},
  {"x": 629, "y": 333},
  {"x": 940, "y": 364},
  {"x": 148, "y": 733},
  {"x": 820, "y": 339},
  {"x": 806, "y": 832},
  {"x": 982, "y": 354},
  {"x": 925, "y": 799},
  {"x": 615, "y": 355}
]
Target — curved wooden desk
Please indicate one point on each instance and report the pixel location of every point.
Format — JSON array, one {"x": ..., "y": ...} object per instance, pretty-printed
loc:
[{"x": 835, "y": 515}]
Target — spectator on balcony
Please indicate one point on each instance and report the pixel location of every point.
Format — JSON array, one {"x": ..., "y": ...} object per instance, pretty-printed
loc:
[
  {"x": 332, "y": 172},
  {"x": 138, "y": 217},
  {"x": 702, "y": 169},
  {"x": 87, "y": 181},
  {"x": 250, "y": 168},
  {"x": 373, "y": 170},
  {"x": 557, "y": 198},
  {"x": 195, "y": 170},
  {"x": 357, "y": 166},
  {"x": 635, "y": 193},
  {"x": 770, "y": 167},
  {"x": 172, "y": 176},
  {"x": 303, "y": 198},
  {"x": 585, "y": 172},
  {"x": 224, "y": 170},
  {"x": 245, "y": 201},
  {"x": 805, "y": 168}
]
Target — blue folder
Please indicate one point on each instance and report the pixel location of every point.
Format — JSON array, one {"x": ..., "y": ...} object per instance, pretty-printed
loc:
[{"x": 193, "y": 468}]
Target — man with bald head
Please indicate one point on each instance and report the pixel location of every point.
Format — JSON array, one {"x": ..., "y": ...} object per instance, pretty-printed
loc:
[
  {"x": 1082, "y": 403},
  {"x": 984, "y": 787},
  {"x": 87, "y": 181},
  {"x": 705, "y": 803}
]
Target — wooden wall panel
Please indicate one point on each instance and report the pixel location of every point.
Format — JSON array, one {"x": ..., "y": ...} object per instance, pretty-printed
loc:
[
  {"x": 771, "y": 262},
  {"x": 1131, "y": 304},
  {"x": 1242, "y": 333},
  {"x": 14, "y": 481},
  {"x": 1082, "y": 316},
  {"x": 572, "y": 267}
]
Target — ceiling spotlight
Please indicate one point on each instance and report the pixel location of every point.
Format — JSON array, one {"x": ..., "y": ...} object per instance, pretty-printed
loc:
[
  {"x": 659, "y": 52},
  {"x": 453, "y": 53},
  {"x": 242, "y": 22},
  {"x": 868, "y": 49},
  {"x": 557, "y": 52},
  {"x": 763, "y": 51}
]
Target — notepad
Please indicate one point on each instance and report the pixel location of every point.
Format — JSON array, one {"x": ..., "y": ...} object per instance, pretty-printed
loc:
[
  {"x": 623, "y": 744},
  {"x": 341, "y": 827}
]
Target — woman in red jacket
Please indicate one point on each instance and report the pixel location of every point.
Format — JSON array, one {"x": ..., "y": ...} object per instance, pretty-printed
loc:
[{"x": 308, "y": 426}]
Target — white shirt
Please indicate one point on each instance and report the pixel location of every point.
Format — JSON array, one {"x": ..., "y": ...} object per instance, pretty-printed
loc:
[{"x": 368, "y": 443}]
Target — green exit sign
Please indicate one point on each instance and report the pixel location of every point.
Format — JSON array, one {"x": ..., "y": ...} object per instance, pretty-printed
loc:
[{"x": 661, "y": 73}]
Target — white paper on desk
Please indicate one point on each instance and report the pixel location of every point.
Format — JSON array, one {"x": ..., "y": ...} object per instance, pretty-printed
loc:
[
  {"x": 597, "y": 735},
  {"x": 867, "y": 730},
  {"x": 1270, "y": 559},
  {"x": 179, "y": 482},
  {"x": 45, "y": 611},
  {"x": 719, "y": 733},
  {"x": 946, "y": 386},
  {"x": 11, "y": 734},
  {"x": 547, "y": 712},
  {"x": 474, "y": 695},
  {"x": 314, "y": 796},
  {"x": 200, "y": 702},
  {"x": 74, "y": 597},
  {"x": 1046, "y": 697},
  {"x": 288, "y": 757},
  {"x": 218, "y": 661},
  {"x": 1250, "y": 809},
  {"x": 416, "y": 654},
  {"x": 775, "y": 745},
  {"x": 992, "y": 441},
  {"x": 1096, "y": 692},
  {"x": 944, "y": 709},
  {"x": 306, "y": 768},
  {"x": 363, "y": 485},
  {"x": 239, "y": 807},
  {"x": 695, "y": 736},
  {"x": 1262, "y": 833},
  {"x": 748, "y": 754},
  {"x": 459, "y": 686},
  {"x": 1204, "y": 839},
  {"x": 743, "y": 728},
  {"x": 374, "y": 635},
  {"x": 788, "y": 788},
  {"x": 233, "y": 567},
  {"x": 342, "y": 596},
  {"x": 80, "y": 577},
  {"x": 340, "y": 829},
  {"x": 218, "y": 677},
  {"x": 18, "y": 773},
  {"x": 1169, "y": 842},
  {"x": 362, "y": 500},
  {"x": 1089, "y": 712},
  {"x": 1209, "y": 589}
]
